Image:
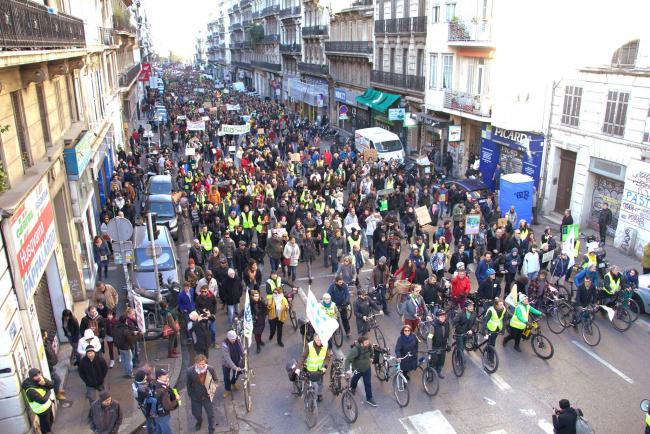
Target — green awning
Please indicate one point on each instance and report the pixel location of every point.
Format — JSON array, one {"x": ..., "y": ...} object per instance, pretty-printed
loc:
[
  {"x": 386, "y": 100},
  {"x": 368, "y": 96}
]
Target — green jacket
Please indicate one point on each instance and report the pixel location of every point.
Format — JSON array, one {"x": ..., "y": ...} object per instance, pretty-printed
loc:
[{"x": 358, "y": 358}]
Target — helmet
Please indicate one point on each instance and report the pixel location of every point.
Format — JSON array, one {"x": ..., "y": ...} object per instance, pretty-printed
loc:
[
  {"x": 490, "y": 272},
  {"x": 441, "y": 312},
  {"x": 469, "y": 303}
]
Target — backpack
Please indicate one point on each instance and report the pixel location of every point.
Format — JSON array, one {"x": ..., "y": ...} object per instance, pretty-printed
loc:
[
  {"x": 583, "y": 427},
  {"x": 147, "y": 402},
  {"x": 119, "y": 336}
]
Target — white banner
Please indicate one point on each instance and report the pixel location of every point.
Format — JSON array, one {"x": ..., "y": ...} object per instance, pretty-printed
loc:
[
  {"x": 248, "y": 320},
  {"x": 195, "y": 125},
  {"x": 232, "y": 107},
  {"x": 324, "y": 325},
  {"x": 234, "y": 129}
]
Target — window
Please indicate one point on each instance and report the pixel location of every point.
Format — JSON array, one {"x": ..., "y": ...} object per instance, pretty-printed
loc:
[
  {"x": 646, "y": 131},
  {"x": 42, "y": 109},
  {"x": 435, "y": 14},
  {"x": 380, "y": 59},
  {"x": 21, "y": 129},
  {"x": 625, "y": 56},
  {"x": 59, "y": 105},
  {"x": 407, "y": 8},
  {"x": 485, "y": 9},
  {"x": 433, "y": 71},
  {"x": 571, "y": 109},
  {"x": 450, "y": 11},
  {"x": 420, "y": 63},
  {"x": 392, "y": 61},
  {"x": 615, "y": 113},
  {"x": 447, "y": 70},
  {"x": 405, "y": 61}
]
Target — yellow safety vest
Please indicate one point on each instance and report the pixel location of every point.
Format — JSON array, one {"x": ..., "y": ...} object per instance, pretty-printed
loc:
[
  {"x": 435, "y": 248},
  {"x": 389, "y": 184},
  {"x": 315, "y": 360},
  {"x": 206, "y": 241},
  {"x": 383, "y": 205},
  {"x": 269, "y": 191},
  {"x": 331, "y": 311},
  {"x": 523, "y": 233},
  {"x": 515, "y": 322},
  {"x": 233, "y": 223},
  {"x": 247, "y": 220},
  {"x": 614, "y": 285},
  {"x": 260, "y": 224},
  {"x": 272, "y": 285},
  {"x": 421, "y": 247},
  {"x": 647, "y": 419},
  {"x": 37, "y": 407},
  {"x": 325, "y": 240},
  {"x": 496, "y": 321},
  {"x": 353, "y": 242},
  {"x": 319, "y": 206}
]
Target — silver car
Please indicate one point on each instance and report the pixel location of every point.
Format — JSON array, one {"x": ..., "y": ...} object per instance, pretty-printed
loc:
[{"x": 642, "y": 293}]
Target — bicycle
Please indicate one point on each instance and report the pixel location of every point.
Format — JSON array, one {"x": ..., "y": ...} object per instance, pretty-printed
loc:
[
  {"x": 337, "y": 337},
  {"x": 348, "y": 403},
  {"x": 542, "y": 346},
  {"x": 247, "y": 376},
  {"x": 400, "y": 383},
  {"x": 309, "y": 384},
  {"x": 290, "y": 295},
  {"x": 371, "y": 324},
  {"x": 585, "y": 319},
  {"x": 489, "y": 356},
  {"x": 626, "y": 310},
  {"x": 380, "y": 361},
  {"x": 551, "y": 305},
  {"x": 430, "y": 381},
  {"x": 457, "y": 358}
]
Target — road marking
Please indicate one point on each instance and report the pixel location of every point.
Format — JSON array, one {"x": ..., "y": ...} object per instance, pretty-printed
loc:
[
  {"x": 547, "y": 427},
  {"x": 527, "y": 412},
  {"x": 428, "y": 422},
  {"x": 603, "y": 361},
  {"x": 501, "y": 431},
  {"x": 490, "y": 402},
  {"x": 495, "y": 378}
]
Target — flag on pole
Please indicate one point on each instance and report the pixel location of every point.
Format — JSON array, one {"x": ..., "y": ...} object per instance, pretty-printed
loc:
[
  {"x": 248, "y": 321},
  {"x": 323, "y": 325}
]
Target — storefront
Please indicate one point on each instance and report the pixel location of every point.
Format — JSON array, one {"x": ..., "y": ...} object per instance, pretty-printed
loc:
[
  {"x": 515, "y": 151},
  {"x": 310, "y": 98},
  {"x": 104, "y": 169},
  {"x": 608, "y": 181},
  {"x": 358, "y": 116},
  {"x": 246, "y": 76},
  {"x": 434, "y": 134}
]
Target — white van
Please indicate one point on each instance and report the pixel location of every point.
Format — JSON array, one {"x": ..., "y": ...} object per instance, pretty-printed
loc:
[{"x": 387, "y": 144}]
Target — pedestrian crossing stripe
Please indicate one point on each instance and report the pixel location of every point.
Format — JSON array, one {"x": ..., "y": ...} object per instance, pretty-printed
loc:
[{"x": 428, "y": 422}]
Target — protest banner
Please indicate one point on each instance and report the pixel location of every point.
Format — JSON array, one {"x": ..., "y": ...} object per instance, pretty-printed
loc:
[
  {"x": 207, "y": 105},
  {"x": 472, "y": 224},
  {"x": 548, "y": 256},
  {"x": 423, "y": 216},
  {"x": 234, "y": 129},
  {"x": 370, "y": 155},
  {"x": 195, "y": 125},
  {"x": 295, "y": 157},
  {"x": 205, "y": 118},
  {"x": 232, "y": 107},
  {"x": 323, "y": 325}
]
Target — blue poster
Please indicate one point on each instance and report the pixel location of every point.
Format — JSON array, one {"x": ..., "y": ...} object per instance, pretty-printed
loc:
[{"x": 516, "y": 150}]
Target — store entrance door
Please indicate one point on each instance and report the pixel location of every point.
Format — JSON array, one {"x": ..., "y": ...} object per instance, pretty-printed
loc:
[{"x": 565, "y": 180}]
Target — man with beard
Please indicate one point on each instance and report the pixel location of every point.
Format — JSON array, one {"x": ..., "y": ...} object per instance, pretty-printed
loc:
[{"x": 201, "y": 388}]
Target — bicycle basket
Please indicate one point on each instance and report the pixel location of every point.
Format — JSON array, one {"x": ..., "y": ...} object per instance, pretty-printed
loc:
[{"x": 403, "y": 286}]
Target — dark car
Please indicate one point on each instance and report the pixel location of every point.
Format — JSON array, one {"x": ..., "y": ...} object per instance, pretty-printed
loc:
[{"x": 475, "y": 188}]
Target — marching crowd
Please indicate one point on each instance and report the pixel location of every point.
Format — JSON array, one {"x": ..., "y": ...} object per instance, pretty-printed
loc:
[{"x": 275, "y": 193}]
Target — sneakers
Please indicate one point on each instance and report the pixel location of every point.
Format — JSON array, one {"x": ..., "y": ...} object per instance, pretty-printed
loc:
[
  {"x": 440, "y": 374},
  {"x": 518, "y": 349},
  {"x": 371, "y": 402},
  {"x": 281, "y": 344},
  {"x": 226, "y": 394},
  {"x": 111, "y": 363},
  {"x": 197, "y": 426}
]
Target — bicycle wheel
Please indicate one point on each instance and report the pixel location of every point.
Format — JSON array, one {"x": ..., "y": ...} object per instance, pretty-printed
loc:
[
  {"x": 634, "y": 309},
  {"x": 398, "y": 304},
  {"x": 379, "y": 337},
  {"x": 311, "y": 408},
  {"x": 348, "y": 312},
  {"x": 381, "y": 369},
  {"x": 293, "y": 318},
  {"x": 622, "y": 320},
  {"x": 553, "y": 320},
  {"x": 542, "y": 346},
  {"x": 430, "y": 381},
  {"x": 469, "y": 343},
  {"x": 401, "y": 390},
  {"x": 563, "y": 292},
  {"x": 457, "y": 362},
  {"x": 590, "y": 333},
  {"x": 335, "y": 379},
  {"x": 564, "y": 313},
  {"x": 248, "y": 401},
  {"x": 349, "y": 407},
  {"x": 490, "y": 359},
  {"x": 338, "y": 337}
]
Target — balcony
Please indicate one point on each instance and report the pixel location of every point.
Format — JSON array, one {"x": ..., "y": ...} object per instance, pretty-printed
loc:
[
  {"x": 477, "y": 105},
  {"x": 349, "y": 47},
  {"x": 266, "y": 65},
  {"x": 314, "y": 31},
  {"x": 290, "y": 49},
  {"x": 401, "y": 26},
  {"x": 244, "y": 3},
  {"x": 359, "y": 3},
  {"x": 474, "y": 33},
  {"x": 270, "y": 39},
  {"x": 235, "y": 7},
  {"x": 127, "y": 77},
  {"x": 107, "y": 36},
  {"x": 271, "y": 10},
  {"x": 402, "y": 81},
  {"x": 257, "y": 14},
  {"x": 246, "y": 23},
  {"x": 290, "y": 13},
  {"x": 235, "y": 26},
  {"x": 246, "y": 65},
  {"x": 27, "y": 25},
  {"x": 313, "y": 68}
]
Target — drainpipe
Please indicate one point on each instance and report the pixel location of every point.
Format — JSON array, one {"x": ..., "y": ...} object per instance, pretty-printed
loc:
[{"x": 540, "y": 197}]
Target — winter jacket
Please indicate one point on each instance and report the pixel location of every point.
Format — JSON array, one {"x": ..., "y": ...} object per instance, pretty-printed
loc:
[
  {"x": 274, "y": 248},
  {"x": 185, "y": 302},
  {"x": 105, "y": 420},
  {"x": 358, "y": 358},
  {"x": 565, "y": 421},
  {"x": 481, "y": 270},
  {"x": 531, "y": 264},
  {"x": 460, "y": 286},
  {"x": 284, "y": 310},
  {"x": 380, "y": 277},
  {"x": 340, "y": 295},
  {"x": 347, "y": 272},
  {"x": 196, "y": 390},
  {"x": 166, "y": 397},
  {"x": 88, "y": 339},
  {"x": 407, "y": 344},
  {"x": 292, "y": 253},
  {"x": 488, "y": 289},
  {"x": 93, "y": 373},
  {"x": 108, "y": 298},
  {"x": 258, "y": 310},
  {"x": 227, "y": 247},
  {"x": 231, "y": 290},
  {"x": 32, "y": 394},
  {"x": 412, "y": 309},
  {"x": 97, "y": 324},
  {"x": 440, "y": 334}
]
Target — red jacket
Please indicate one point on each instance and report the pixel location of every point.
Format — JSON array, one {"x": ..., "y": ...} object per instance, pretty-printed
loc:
[{"x": 460, "y": 286}]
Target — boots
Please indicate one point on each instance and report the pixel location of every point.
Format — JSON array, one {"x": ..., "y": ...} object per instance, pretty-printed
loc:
[
  {"x": 258, "y": 348},
  {"x": 60, "y": 395}
]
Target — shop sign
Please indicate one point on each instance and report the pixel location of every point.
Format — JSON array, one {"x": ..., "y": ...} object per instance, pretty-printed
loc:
[
  {"x": 634, "y": 206},
  {"x": 454, "y": 133},
  {"x": 78, "y": 156},
  {"x": 396, "y": 114},
  {"x": 33, "y": 236},
  {"x": 339, "y": 94}
]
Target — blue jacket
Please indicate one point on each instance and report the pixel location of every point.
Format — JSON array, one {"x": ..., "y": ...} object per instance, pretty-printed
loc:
[
  {"x": 340, "y": 297},
  {"x": 481, "y": 270},
  {"x": 580, "y": 277},
  {"x": 560, "y": 267},
  {"x": 186, "y": 301}
]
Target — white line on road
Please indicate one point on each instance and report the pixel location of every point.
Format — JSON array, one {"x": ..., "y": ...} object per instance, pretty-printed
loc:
[
  {"x": 428, "y": 422},
  {"x": 495, "y": 378},
  {"x": 603, "y": 361},
  {"x": 547, "y": 427},
  {"x": 501, "y": 431}
]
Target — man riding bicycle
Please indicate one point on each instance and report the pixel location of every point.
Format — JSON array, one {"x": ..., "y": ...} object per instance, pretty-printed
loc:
[
  {"x": 614, "y": 282},
  {"x": 493, "y": 321},
  {"x": 340, "y": 296},
  {"x": 585, "y": 297},
  {"x": 464, "y": 323},
  {"x": 364, "y": 306},
  {"x": 315, "y": 359}
]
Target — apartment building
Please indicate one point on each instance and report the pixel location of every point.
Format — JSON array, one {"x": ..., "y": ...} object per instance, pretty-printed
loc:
[
  {"x": 265, "y": 37},
  {"x": 290, "y": 43},
  {"x": 241, "y": 48},
  {"x": 64, "y": 101},
  {"x": 600, "y": 136},
  {"x": 349, "y": 52}
]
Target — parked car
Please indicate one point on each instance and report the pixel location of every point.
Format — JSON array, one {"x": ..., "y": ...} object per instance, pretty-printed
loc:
[
  {"x": 167, "y": 259},
  {"x": 642, "y": 293},
  {"x": 165, "y": 208}
]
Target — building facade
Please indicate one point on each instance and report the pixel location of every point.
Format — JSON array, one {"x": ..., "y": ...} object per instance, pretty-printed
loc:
[
  {"x": 266, "y": 64},
  {"x": 290, "y": 43}
]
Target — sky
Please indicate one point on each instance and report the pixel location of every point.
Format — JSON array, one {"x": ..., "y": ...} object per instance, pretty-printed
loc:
[{"x": 176, "y": 24}]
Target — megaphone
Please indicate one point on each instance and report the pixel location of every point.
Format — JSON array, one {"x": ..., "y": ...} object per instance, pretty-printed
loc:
[{"x": 644, "y": 405}]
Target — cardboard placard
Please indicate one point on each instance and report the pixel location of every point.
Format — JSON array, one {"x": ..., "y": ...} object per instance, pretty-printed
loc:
[
  {"x": 472, "y": 224},
  {"x": 428, "y": 229},
  {"x": 385, "y": 192},
  {"x": 502, "y": 222},
  {"x": 295, "y": 157},
  {"x": 213, "y": 109},
  {"x": 422, "y": 214},
  {"x": 207, "y": 105},
  {"x": 260, "y": 131},
  {"x": 190, "y": 151},
  {"x": 548, "y": 256},
  {"x": 370, "y": 155}
]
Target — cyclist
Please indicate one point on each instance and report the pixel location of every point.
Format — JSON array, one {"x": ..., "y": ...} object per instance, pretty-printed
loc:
[
  {"x": 464, "y": 323},
  {"x": 585, "y": 296},
  {"x": 340, "y": 296},
  {"x": 414, "y": 308},
  {"x": 380, "y": 278},
  {"x": 433, "y": 292},
  {"x": 489, "y": 288},
  {"x": 493, "y": 321},
  {"x": 519, "y": 320},
  {"x": 407, "y": 343},
  {"x": 315, "y": 359},
  {"x": 363, "y": 307},
  {"x": 591, "y": 271},
  {"x": 614, "y": 282},
  {"x": 359, "y": 358},
  {"x": 440, "y": 341},
  {"x": 460, "y": 287}
]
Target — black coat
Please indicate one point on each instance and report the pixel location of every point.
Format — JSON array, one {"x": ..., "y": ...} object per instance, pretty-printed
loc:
[
  {"x": 93, "y": 373},
  {"x": 258, "y": 310},
  {"x": 407, "y": 344},
  {"x": 202, "y": 337},
  {"x": 195, "y": 389},
  {"x": 440, "y": 334},
  {"x": 565, "y": 421},
  {"x": 231, "y": 290}
]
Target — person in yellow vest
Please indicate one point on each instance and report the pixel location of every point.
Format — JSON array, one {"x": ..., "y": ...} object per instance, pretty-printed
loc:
[
  {"x": 205, "y": 237},
  {"x": 354, "y": 239},
  {"x": 39, "y": 395},
  {"x": 614, "y": 282},
  {"x": 519, "y": 320},
  {"x": 274, "y": 281},
  {"x": 247, "y": 222},
  {"x": 315, "y": 359},
  {"x": 493, "y": 320},
  {"x": 233, "y": 221}
]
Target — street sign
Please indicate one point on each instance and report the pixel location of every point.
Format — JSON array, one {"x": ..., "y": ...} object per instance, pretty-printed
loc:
[
  {"x": 396, "y": 114},
  {"x": 343, "y": 112},
  {"x": 454, "y": 133},
  {"x": 120, "y": 229}
]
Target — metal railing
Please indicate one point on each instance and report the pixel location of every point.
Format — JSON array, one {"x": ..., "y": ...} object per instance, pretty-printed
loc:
[
  {"x": 107, "y": 36},
  {"x": 357, "y": 3},
  {"x": 290, "y": 48},
  {"x": 314, "y": 31},
  {"x": 271, "y": 10},
  {"x": 127, "y": 77},
  {"x": 240, "y": 64},
  {"x": 266, "y": 65},
  {"x": 402, "y": 81},
  {"x": 470, "y": 31},
  {"x": 235, "y": 26},
  {"x": 26, "y": 24},
  {"x": 244, "y": 3},
  {"x": 313, "y": 68},
  {"x": 290, "y": 12},
  {"x": 402, "y": 26},
  {"x": 246, "y": 23},
  {"x": 269, "y": 39},
  {"x": 360, "y": 47},
  {"x": 467, "y": 103}
]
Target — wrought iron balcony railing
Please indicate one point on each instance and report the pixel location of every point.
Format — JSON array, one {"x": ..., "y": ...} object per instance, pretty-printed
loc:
[
  {"x": 131, "y": 74},
  {"x": 355, "y": 47},
  {"x": 402, "y": 81}
]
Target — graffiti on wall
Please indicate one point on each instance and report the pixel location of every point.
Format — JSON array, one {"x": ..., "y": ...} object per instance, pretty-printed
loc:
[{"x": 606, "y": 191}]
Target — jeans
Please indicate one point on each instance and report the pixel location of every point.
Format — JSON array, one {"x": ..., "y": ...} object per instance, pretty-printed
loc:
[
  {"x": 150, "y": 423},
  {"x": 126, "y": 360},
  {"x": 197, "y": 412},
  {"x": 213, "y": 331},
  {"x": 230, "y": 308},
  {"x": 335, "y": 264},
  {"x": 275, "y": 264},
  {"x": 229, "y": 377},
  {"x": 381, "y": 290},
  {"x": 163, "y": 425},
  {"x": 371, "y": 245},
  {"x": 275, "y": 325},
  {"x": 292, "y": 272},
  {"x": 92, "y": 393},
  {"x": 367, "y": 377},
  {"x": 56, "y": 381}
]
